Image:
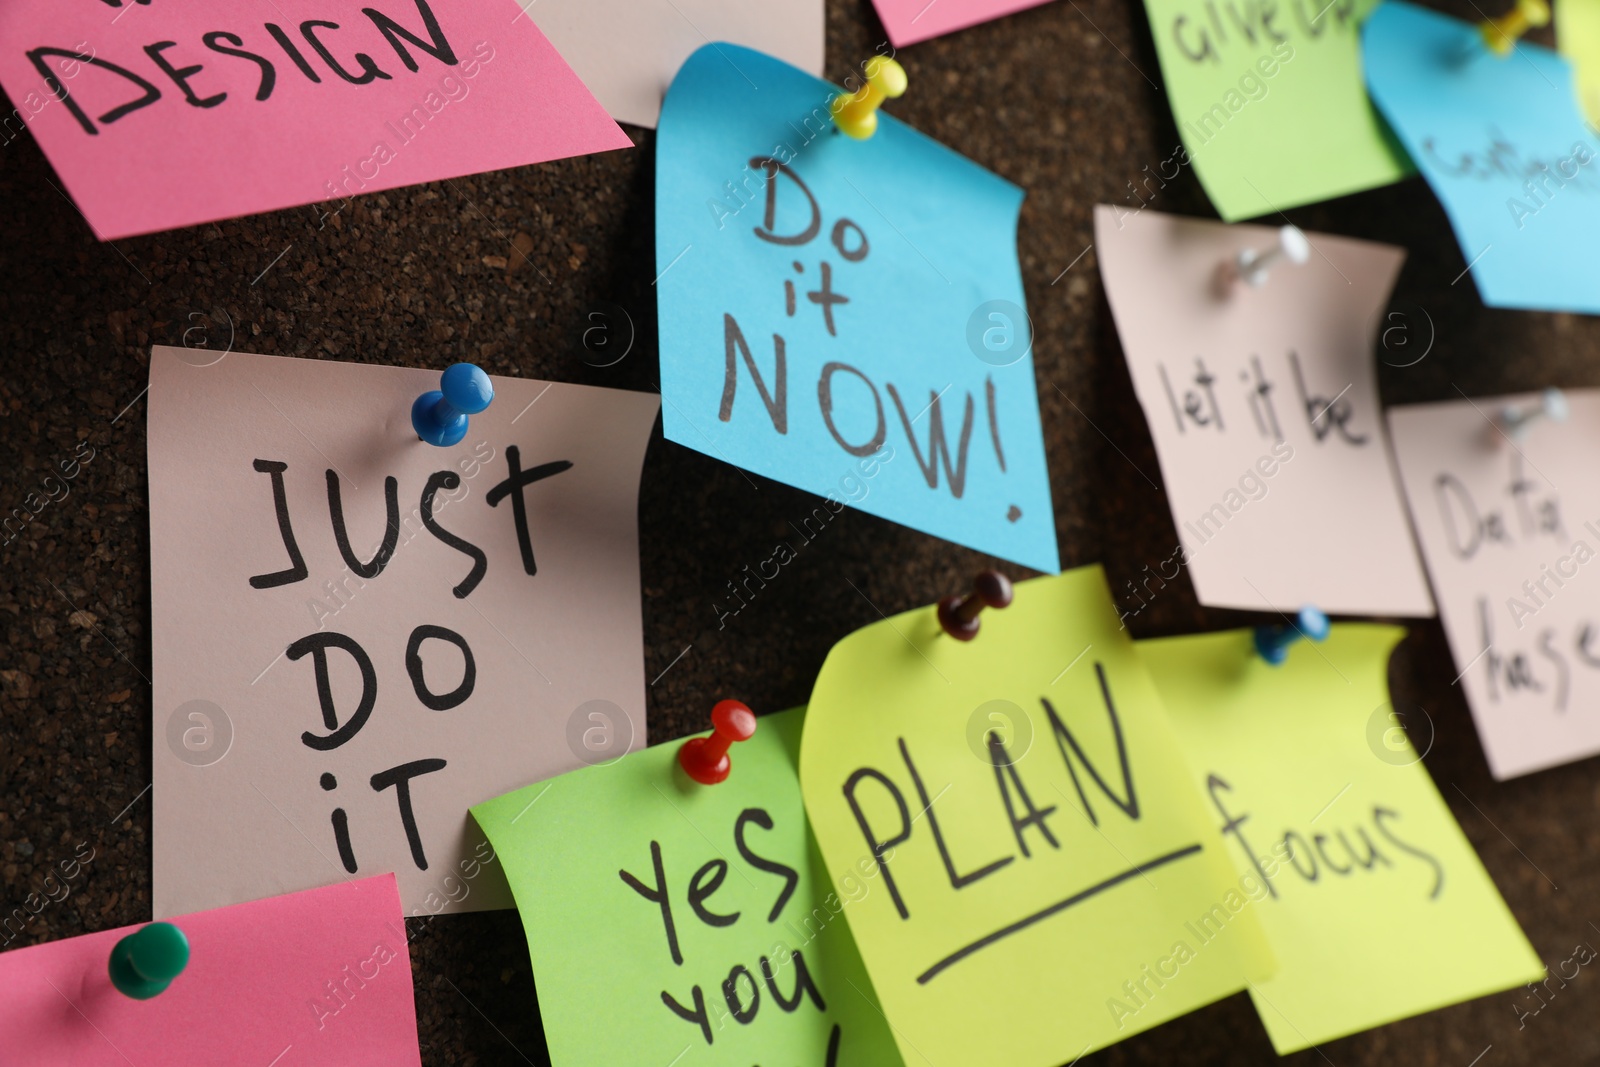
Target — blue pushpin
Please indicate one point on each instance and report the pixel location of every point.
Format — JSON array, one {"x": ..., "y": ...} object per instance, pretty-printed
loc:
[
  {"x": 440, "y": 415},
  {"x": 146, "y": 961},
  {"x": 1273, "y": 642}
]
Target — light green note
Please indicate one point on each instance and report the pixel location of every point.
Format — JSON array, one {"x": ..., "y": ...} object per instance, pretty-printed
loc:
[
  {"x": 1269, "y": 101},
  {"x": 1372, "y": 899},
  {"x": 1041, "y": 852},
  {"x": 675, "y": 923}
]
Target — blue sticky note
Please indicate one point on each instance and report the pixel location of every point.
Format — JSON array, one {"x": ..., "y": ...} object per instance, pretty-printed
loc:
[
  {"x": 1503, "y": 144},
  {"x": 845, "y": 316}
]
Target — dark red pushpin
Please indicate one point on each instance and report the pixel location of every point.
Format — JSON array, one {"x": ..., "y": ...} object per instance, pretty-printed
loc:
[
  {"x": 705, "y": 759},
  {"x": 958, "y": 615}
]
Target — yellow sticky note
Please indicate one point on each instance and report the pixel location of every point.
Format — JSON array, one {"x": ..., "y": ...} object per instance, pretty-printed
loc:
[
  {"x": 1047, "y": 880},
  {"x": 1578, "y": 37},
  {"x": 1372, "y": 899}
]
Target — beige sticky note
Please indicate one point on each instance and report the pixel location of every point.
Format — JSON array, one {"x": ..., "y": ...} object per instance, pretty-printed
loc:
[
  {"x": 1263, "y": 405},
  {"x": 1369, "y": 894},
  {"x": 1511, "y": 533},
  {"x": 627, "y": 51},
  {"x": 325, "y": 713}
]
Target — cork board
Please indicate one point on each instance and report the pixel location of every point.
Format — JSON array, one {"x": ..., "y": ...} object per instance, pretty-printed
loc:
[{"x": 1061, "y": 99}]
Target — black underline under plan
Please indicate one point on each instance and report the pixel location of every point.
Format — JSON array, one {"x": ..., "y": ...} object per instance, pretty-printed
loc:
[{"x": 1044, "y": 913}]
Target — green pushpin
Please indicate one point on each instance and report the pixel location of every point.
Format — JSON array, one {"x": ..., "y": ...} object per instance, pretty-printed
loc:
[{"x": 145, "y": 962}]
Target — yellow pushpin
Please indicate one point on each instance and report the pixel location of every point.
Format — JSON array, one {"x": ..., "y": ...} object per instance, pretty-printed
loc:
[
  {"x": 857, "y": 115},
  {"x": 1501, "y": 34}
]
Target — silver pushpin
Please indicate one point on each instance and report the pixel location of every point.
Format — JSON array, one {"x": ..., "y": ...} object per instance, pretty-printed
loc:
[
  {"x": 1513, "y": 421},
  {"x": 1252, "y": 266}
]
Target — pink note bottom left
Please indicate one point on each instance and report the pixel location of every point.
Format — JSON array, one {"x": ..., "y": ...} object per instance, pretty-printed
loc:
[{"x": 320, "y": 978}]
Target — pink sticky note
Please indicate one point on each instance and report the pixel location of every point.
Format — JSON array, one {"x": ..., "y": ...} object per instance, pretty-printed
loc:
[
  {"x": 910, "y": 21},
  {"x": 312, "y": 978},
  {"x": 158, "y": 114}
]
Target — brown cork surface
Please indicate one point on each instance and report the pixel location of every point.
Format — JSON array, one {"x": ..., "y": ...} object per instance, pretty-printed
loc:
[{"x": 1062, "y": 100}]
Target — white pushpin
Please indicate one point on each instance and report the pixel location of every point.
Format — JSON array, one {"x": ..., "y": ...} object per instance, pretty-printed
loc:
[
  {"x": 1252, "y": 267},
  {"x": 1513, "y": 421}
]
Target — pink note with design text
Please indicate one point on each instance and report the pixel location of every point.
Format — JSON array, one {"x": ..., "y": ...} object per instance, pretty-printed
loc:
[{"x": 165, "y": 113}]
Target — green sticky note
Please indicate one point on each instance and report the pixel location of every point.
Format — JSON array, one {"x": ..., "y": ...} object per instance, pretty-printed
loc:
[
  {"x": 671, "y": 922},
  {"x": 1046, "y": 879},
  {"x": 1578, "y": 38},
  {"x": 1270, "y": 103},
  {"x": 1372, "y": 899}
]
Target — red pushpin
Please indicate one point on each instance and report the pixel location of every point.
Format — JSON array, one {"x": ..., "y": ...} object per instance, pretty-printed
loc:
[
  {"x": 705, "y": 759},
  {"x": 958, "y": 615}
]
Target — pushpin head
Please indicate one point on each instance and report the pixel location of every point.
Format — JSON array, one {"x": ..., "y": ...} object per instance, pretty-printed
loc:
[
  {"x": 440, "y": 415},
  {"x": 1292, "y": 239},
  {"x": 857, "y": 114},
  {"x": 146, "y": 961},
  {"x": 1555, "y": 405},
  {"x": 958, "y": 615},
  {"x": 1273, "y": 642},
  {"x": 705, "y": 759}
]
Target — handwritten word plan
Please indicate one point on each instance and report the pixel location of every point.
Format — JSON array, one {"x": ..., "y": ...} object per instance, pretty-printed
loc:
[
  {"x": 1263, "y": 404},
  {"x": 167, "y": 114},
  {"x": 700, "y": 917},
  {"x": 1270, "y": 104},
  {"x": 627, "y": 51},
  {"x": 1505, "y": 147},
  {"x": 831, "y": 307},
  {"x": 357, "y": 635},
  {"x": 320, "y": 978},
  {"x": 1040, "y": 850},
  {"x": 1511, "y": 532},
  {"x": 1371, "y": 897}
]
